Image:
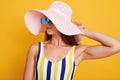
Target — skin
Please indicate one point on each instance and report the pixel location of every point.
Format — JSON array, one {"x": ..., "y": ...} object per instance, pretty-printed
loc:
[{"x": 56, "y": 49}]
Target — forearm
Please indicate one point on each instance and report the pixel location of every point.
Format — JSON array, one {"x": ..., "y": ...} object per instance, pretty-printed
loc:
[{"x": 102, "y": 38}]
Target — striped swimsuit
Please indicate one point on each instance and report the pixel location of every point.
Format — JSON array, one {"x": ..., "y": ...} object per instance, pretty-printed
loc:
[{"x": 61, "y": 70}]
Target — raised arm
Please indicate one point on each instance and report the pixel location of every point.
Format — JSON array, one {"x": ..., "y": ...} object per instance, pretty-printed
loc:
[
  {"x": 30, "y": 63},
  {"x": 109, "y": 45}
]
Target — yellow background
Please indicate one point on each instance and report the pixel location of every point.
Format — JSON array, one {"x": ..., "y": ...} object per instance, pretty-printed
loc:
[{"x": 98, "y": 15}]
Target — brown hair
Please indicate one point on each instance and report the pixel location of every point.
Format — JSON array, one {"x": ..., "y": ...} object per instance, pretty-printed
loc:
[{"x": 69, "y": 40}]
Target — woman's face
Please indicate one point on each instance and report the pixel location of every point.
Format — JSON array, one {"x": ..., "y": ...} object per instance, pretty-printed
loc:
[{"x": 50, "y": 28}]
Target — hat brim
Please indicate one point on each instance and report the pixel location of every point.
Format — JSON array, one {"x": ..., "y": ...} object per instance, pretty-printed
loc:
[{"x": 62, "y": 23}]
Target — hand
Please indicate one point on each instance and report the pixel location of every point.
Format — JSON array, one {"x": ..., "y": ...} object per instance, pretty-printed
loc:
[{"x": 82, "y": 28}]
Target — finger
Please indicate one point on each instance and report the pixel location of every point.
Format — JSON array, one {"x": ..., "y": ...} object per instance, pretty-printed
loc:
[{"x": 78, "y": 24}]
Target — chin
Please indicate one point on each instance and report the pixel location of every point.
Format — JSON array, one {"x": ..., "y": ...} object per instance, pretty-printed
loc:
[{"x": 49, "y": 32}]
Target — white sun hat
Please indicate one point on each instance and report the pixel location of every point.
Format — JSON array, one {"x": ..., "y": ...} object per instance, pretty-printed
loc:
[{"x": 59, "y": 13}]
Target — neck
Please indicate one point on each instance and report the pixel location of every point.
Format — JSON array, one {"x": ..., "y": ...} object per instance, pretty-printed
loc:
[{"x": 57, "y": 40}]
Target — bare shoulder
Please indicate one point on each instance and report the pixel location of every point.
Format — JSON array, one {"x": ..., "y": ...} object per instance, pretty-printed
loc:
[{"x": 33, "y": 49}]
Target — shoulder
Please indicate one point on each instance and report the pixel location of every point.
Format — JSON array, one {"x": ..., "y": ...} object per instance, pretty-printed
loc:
[
  {"x": 33, "y": 49},
  {"x": 34, "y": 46}
]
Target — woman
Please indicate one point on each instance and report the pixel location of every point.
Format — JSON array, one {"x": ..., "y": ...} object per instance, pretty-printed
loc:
[{"x": 58, "y": 57}]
